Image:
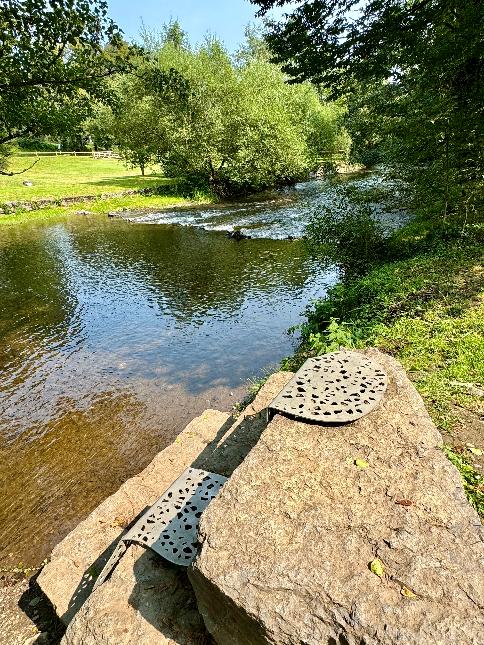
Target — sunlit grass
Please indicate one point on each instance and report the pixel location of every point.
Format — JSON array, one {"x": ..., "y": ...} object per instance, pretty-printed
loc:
[
  {"x": 100, "y": 206},
  {"x": 66, "y": 176}
]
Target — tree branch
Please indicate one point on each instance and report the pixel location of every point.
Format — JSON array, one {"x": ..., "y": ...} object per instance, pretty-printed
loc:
[
  {"x": 21, "y": 172},
  {"x": 15, "y": 135}
]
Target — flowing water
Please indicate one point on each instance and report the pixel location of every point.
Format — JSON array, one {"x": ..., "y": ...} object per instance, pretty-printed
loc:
[{"x": 114, "y": 335}]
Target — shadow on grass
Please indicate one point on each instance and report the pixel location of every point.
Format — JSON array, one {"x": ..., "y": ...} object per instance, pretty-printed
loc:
[{"x": 135, "y": 181}]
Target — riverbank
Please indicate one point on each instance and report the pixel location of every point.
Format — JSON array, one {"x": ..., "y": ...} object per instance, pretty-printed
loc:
[
  {"x": 426, "y": 310},
  {"x": 56, "y": 187},
  {"x": 100, "y": 206}
]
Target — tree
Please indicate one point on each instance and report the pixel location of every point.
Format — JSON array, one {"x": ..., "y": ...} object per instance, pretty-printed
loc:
[
  {"x": 235, "y": 126},
  {"x": 54, "y": 58},
  {"x": 131, "y": 124},
  {"x": 426, "y": 56}
]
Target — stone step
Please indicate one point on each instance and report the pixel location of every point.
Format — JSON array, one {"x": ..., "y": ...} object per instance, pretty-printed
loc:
[
  {"x": 76, "y": 561},
  {"x": 289, "y": 543},
  {"x": 146, "y": 600}
]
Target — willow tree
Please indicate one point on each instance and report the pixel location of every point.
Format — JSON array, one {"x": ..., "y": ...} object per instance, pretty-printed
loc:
[{"x": 235, "y": 125}]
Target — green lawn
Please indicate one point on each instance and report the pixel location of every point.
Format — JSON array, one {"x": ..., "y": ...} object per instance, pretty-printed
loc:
[{"x": 65, "y": 176}]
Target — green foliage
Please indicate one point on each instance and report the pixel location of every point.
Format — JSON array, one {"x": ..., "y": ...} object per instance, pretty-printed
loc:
[
  {"x": 473, "y": 481},
  {"x": 346, "y": 233},
  {"x": 36, "y": 144},
  {"x": 134, "y": 131},
  {"x": 54, "y": 59},
  {"x": 333, "y": 338},
  {"x": 413, "y": 75},
  {"x": 234, "y": 126},
  {"x": 427, "y": 311},
  {"x": 442, "y": 350}
]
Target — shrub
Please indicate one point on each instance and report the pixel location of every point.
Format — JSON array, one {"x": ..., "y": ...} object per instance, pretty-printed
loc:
[{"x": 347, "y": 234}]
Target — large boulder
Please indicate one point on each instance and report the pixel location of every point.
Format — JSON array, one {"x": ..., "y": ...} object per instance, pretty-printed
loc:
[
  {"x": 289, "y": 542},
  {"x": 76, "y": 561},
  {"x": 146, "y": 600}
]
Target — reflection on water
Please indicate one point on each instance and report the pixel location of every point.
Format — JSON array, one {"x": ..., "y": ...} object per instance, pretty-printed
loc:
[{"x": 112, "y": 337}]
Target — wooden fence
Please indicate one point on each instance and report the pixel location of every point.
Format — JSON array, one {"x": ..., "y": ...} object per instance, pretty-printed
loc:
[{"x": 95, "y": 154}]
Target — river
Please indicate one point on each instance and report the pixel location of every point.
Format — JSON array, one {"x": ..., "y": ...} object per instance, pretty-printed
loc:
[{"x": 114, "y": 334}]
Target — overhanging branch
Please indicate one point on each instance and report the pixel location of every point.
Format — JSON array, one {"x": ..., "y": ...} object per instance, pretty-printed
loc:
[{"x": 20, "y": 172}]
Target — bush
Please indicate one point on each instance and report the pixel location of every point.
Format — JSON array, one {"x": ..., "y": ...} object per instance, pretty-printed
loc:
[
  {"x": 347, "y": 234},
  {"x": 36, "y": 144}
]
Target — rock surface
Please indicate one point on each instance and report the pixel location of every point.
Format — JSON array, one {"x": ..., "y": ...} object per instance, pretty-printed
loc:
[
  {"x": 288, "y": 543},
  {"x": 146, "y": 600},
  {"x": 76, "y": 561}
]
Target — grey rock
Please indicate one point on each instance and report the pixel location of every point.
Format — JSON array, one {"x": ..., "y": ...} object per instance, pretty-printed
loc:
[
  {"x": 76, "y": 561},
  {"x": 238, "y": 235},
  {"x": 146, "y": 600},
  {"x": 42, "y": 638},
  {"x": 288, "y": 543}
]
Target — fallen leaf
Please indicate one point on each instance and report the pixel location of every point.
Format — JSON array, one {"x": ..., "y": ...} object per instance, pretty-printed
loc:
[
  {"x": 361, "y": 463},
  {"x": 376, "y": 567},
  {"x": 404, "y": 502},
  {"x": 408, "y": 593},
  {"x": 475, "y": 451}
]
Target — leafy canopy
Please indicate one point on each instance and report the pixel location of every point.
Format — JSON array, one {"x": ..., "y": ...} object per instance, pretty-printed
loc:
[
  {"x": 232, "y": 124},
  {"x": 413, "y": 71},
  {"x": 54, "y": 57}
]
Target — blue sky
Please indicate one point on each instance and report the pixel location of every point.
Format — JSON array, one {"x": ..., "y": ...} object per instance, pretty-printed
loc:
[{"x": 225, "y": 18}]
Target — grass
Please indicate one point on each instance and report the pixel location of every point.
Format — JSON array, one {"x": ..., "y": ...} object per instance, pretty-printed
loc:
[
  {"x": 65, "y": 176},
  {"x": 99, "y": 206},
  {"x": 428, "y": 312}
]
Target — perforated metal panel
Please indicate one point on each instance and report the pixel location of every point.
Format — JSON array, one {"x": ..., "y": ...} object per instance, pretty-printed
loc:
[
  {"x": 333, "y": 388},
  {"x": 170, "y": 526}
]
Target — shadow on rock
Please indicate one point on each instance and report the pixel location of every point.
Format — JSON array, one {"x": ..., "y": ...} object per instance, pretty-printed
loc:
[
  {"x": 163, "y": 594},
  {"x": 35, "y": 604}
]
